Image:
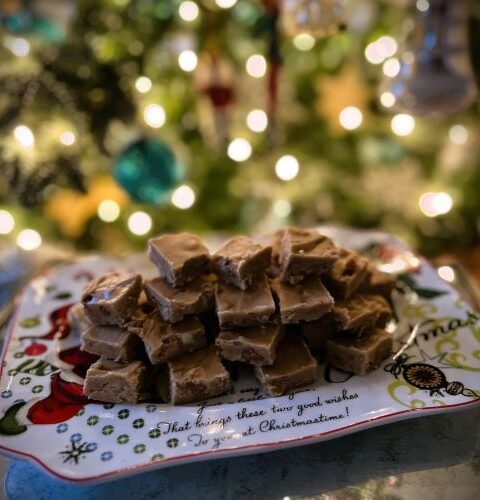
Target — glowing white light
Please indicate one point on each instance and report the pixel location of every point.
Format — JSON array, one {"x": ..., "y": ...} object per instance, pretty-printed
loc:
[
  {"x": 19, "y": 46},
  {"x": 350, "y": 118},
  {"x": 67, "y": 138},
  {"x": 282, "y": 208},
  {"x": 387, "y": 99},
  {"x": 24, "y": 136},
  {"x": 376, "y": 52},
  {"x": 304, "y": 42},
  {"x": 287, "y": 168},
  {"x": 434, "y": 204},
  {"x": 143, "y": 84},
  {"x": 188, "y": 11},
  {"x": 108, "y": 211},
  {"x": 422, "y": 5},
  {"x": 239, "y": 149},
  {"x": 257, "y": 120},
  {"x": 7, "y": 222},
  {"x": 183, "y": 197},
  {"x": 154, "y": 115},
  {"x": 256, "y": 66},
  {"x": 446, "y": 273},
  {"x": 139, "y": 223},
  {"x": 402, "y": 124},
  {"x": 458, "y": 134},
  {"x": 29, "y": 239},
  {"x": 225, "y": 4},
  {"x": 187, "y": 60},
  {"x": 391, "y": 67}
]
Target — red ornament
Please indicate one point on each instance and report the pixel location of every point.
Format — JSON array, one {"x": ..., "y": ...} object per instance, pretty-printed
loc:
[{"x": 35, "y": 349}]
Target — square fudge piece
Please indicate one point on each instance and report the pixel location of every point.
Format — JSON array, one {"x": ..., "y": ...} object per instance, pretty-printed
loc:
[
  {"x": 256, "y": 345},
  {"x": 175, "y": 303},
  {"x": 240, "y": 261},
  {"x": 316, "y": 333},
  {"x": 382, "y": 307},
  {"x": 298, "y": 253},
  {"x": 378, "y": 282},
  {"x": 78, "y": 319},
  {"x": 180, "y": 258},
  {"x": 359, "y": 355},
  {"x": 293, "y": 367},
  {"x": 243, "y": 308},
  {"x": 197, "y": 376},
  {"x": 306, "y": 301},
  {"x": 112, "y": 342},
  {"x": 112, "y": 298},
  {"x": 348, "y": 273},
  {"x": 165, "y": 341},
  {"x": 113, "y": 382}
]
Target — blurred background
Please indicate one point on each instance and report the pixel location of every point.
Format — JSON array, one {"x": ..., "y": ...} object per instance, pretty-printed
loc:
[{"x": 120, "y": 119}]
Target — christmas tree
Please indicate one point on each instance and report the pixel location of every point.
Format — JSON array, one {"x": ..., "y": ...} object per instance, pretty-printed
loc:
[{"x": 122, "y": 118}]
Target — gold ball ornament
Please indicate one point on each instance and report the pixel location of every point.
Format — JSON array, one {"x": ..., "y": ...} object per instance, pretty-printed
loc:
[{"x": 318, "y": 18}]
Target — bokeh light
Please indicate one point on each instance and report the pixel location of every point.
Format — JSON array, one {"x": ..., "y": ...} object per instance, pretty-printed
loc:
[
  {"x": 7, "y": 222},
  {"x": 422, "y": 5},
  {"x": 140, "y": 223},
  {"x": 225, "y": 4},
  {"x": 24, "y": 136},
  {"x": 376, "y": 52},
  {"x": 304, "y": 42},
  {"x": 435, "y": 204},
  {"x": 29, "y": 239},
  {"x": 67, "y": 138},
  {"x": 387, "y": 99},
  {"x": 19, "y": 46},
  {"x": 458, "y": 134},
  {"x": 108, "y": 211},
  {"x": 256, "y": 66},
  {"x": 350, "y": 118},
  {"x": 391, "y": 67},
  {"x": 257, "y": 120},
  {"x": 154, "y": 115},
  {"x": 187, "y": 60},
  {"x": 183, "y": 197},
  {"x": 188, "y": 11},
  {"x": 447, "y": 273},
  {"x": 282, "y": 208},
  {"x": 143, "y": 84},
  {"x": 239, "y": 149},
  {"x": 402, "y": 124},
  {"x": 287, "y": 167}
]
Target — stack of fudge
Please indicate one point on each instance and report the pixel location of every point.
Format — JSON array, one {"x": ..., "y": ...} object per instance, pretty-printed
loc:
[{"x": 266, "y": 305}]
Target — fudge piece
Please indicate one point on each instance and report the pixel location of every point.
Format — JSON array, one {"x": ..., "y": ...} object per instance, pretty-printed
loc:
[
  {"x": 294, "y": 366},
  {"x": 241, "y": 260},
  {"x": 255, "y": 345},
  {"x": 383, "y": 308},
  {"x": 78, "y": 319},
  {"x": 112, "y": 298},
  {"x": 378, "y": 282},
  {"x": 112, "y": 342},
  {"x": 176, "y": 303},
  {"x": 236, "y": 307},
  {"x": 114, "y": 382},
  {"x": 197, "y": 376},
  {"x": 316, "y": 333},
  {"x": 165, "y": 341},
  {"x": 180, "y": 257},
  {"x": 347, "y": 274},
  {"x": 306, "y": 301},
  {"x": 359, "y": 355},
  {"x": 298, "y": 253}
]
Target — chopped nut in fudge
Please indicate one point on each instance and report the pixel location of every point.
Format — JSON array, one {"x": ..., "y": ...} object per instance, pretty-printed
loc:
[
  {"x": 359, "y": 355},
  {"x": 256, "y": 345},
  {"x": 175, "y": 303},
  {"x": 114, "y": 382},
  {"x": 165, "y": 341},
  {"x": 112, "y": 298},
  {"x": 305, "y": 301},
  {"x": 243, "y": 308},
  {"x": 197, "y": 376},
  {"x": 240, "y": 261},
  {"x": 294, "y": 367},
  {"x": 180, "y": 258}
]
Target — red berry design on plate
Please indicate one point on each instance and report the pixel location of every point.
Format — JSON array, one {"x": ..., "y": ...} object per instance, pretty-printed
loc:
[{"x": 35, "y": 349}]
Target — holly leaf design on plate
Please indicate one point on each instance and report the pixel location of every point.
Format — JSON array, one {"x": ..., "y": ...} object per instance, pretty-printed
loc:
[{"x": 424, "y": 293}]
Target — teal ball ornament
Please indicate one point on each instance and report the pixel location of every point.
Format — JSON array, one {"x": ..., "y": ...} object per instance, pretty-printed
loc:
[{"x": 148, "y": 171}]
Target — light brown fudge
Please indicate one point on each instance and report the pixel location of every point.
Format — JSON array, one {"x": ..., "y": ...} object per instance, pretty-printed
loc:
[
  {"x": 165, "y": 341},
  {"x": 78, "y": 319},
  {"x": 347, "y": 274},
  {"x": 255, "y": 345},
  {"x": 244, "y": 308},
  {"x": 180, "y": 258},
  {"x": 241, "y": 260},
  {"x": 175, "y": 303},
  {"x": 197, "y": 376},
  {"x": 112, "y": 298},
  {"x": 112, "y": 342},
  {"x": 293, "y": 367},
  {"x": 114, "y": 382},
  {"x": 317, "y": 332},
  {"x": 306, "y": 301},
  {"x": 298, "y": 253},
  {"x": 359, "y": 355},
  {"x": 377, "y": 282}
]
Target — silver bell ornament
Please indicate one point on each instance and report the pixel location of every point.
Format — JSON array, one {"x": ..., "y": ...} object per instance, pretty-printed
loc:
[
  {"x": 436, "y": 77},
  {"x": 318, "y": 18}
]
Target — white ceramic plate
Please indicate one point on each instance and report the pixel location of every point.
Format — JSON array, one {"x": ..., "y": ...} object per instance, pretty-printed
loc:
[{"x": 45, "y": 418}]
